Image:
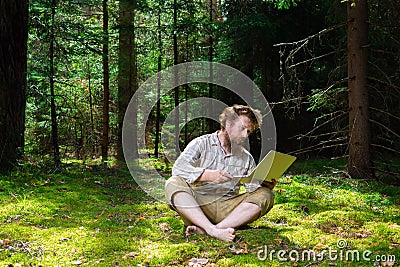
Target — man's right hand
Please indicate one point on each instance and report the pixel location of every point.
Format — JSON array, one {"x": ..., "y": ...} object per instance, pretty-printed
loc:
[{"x": 216, "y": 176}]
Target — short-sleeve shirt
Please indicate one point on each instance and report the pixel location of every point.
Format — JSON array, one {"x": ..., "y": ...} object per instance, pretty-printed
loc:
[{"x": 206, "y": 152}]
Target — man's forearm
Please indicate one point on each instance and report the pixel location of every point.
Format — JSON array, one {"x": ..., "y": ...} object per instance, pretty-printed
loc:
[{"x": 216, "y": 176}]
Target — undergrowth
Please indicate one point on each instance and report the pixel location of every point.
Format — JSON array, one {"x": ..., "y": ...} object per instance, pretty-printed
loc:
[{"x": 85, "y": 215}]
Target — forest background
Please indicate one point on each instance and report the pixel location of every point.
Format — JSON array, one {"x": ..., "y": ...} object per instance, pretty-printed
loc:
[{"x": 329, "y": 70}]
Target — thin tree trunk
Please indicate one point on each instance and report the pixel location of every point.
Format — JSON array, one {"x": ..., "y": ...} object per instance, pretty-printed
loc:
[
  {"x": 186, "y": 92},
  {"x": 210, "y": 58},
  {"x": 106, "y": 86},
  {"x": 91, "y": 108},
  {"x": 359, "y": 164},
  {"x": 54, "y": 125},
  {"x": 158, "y": 111},
  {"x": 126, "y": 72},
  {"x": 13, "y": 64},
  {"x": 176, "y": 90}
]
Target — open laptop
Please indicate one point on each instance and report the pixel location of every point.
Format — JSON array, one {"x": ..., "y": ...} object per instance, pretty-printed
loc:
[{"x": 272, "y": 166}]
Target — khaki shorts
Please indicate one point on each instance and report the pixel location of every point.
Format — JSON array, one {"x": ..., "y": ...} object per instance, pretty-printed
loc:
[{"x": 217, "y": 208}]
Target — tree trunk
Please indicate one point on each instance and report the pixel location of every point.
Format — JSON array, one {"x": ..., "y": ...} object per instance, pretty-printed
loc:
[
  {"x": 176, "y": 90},
  {"x": 54, "y": 126},
  {"x": 91, "y": 108},
  {"x": 359, "y": 164},
  {"x": 186, "y": 87},
  {"x": 158, "y": 108},
  {"x": 211, "y": 59},
  {"x": 13, "y": 64},
  {"x": 126, "y": 69},
  {"x": 106, "y": 86}
]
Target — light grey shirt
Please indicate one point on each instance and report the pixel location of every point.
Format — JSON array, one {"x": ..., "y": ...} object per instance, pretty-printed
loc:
[{"x": 206, "y": 152}]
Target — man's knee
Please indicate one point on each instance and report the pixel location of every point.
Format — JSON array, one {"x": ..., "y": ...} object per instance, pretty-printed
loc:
[
  {"x": 174, "y": 185},
  {"x": 268, "y": 194},
  {"x": 175, "y": 181},
  {"x": 265, "y": 198}
]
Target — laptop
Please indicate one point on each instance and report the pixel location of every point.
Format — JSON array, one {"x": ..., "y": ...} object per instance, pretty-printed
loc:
[{"x": 272, "y": 166}]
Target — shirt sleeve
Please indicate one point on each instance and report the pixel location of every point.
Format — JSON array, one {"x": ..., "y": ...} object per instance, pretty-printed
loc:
[{"x": 186, "y": 164}]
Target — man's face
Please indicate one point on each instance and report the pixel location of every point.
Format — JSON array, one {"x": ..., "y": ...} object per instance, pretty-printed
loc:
[{"x": 239, "y": 129}]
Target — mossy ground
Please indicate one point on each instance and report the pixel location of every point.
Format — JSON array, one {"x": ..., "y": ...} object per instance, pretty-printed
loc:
[{"x": 85, "y": 216}]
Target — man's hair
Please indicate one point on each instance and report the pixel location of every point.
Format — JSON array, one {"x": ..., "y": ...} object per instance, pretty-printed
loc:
[{"x": 232, "y": 113}]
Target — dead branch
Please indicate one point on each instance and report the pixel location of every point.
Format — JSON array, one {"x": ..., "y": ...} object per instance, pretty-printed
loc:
[
  {"x": 383, "y": 126},
  {"x": 387, "y": 148},
  {"x": 387, "y": 164},
  {"x": 311, "y": 59},
  {"x": 299, "y": 136},
  {"x": 318, "y": 34},
  {"x": 324, "y": 123},
  {"x": 322, "y": 143},
  {"x": 387, "y": 172},
  {"x": 384, "y": 52},
  {"x": 385, "y": 112},
  {"x": 294, "y": 52},
  {"x": 287, "y": 101},
  {"x": 330, "y": 114},
  {"x": 380, "y": 71},
  {"x": 390, "y": 141},
  {"x": 315, "y": 147},
  {"x": 385, "y": 83}
]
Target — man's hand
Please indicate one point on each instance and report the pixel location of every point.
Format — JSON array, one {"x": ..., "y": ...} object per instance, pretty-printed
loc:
[
  {"x": 270, "y": 185},
  {"x": 216, "y": 176}
]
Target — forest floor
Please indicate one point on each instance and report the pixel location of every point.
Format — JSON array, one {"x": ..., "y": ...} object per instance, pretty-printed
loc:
[{"x": 86, "y": 216}]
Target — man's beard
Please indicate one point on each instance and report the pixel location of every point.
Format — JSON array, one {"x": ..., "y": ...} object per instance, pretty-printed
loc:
[{"x": 237, "y": 143}]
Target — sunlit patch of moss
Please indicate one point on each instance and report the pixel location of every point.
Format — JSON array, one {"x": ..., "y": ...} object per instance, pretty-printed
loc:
[{"x": 100, "y": 217}]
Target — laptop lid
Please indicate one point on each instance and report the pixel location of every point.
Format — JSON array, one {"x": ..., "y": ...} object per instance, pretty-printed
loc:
[{"x": 272, "y": 166}]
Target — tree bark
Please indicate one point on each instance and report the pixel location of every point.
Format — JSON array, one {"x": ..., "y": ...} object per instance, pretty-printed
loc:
[
  {"x": 212, "y": 13},
  {"x": 106, "y": 87},
  {"x": 126, "y": 69},
  {"x": 176, "y": 89},
  {"x": 13, "y": 64},
  {"x": 359, "y": 163},
  {"x": 158, "y": 107},
  {"x": 53, "y": 109},
  {"x": 91, "y": 107}
]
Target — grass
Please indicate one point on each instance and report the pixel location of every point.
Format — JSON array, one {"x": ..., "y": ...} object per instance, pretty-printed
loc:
[{"x": 84, "y": 216}]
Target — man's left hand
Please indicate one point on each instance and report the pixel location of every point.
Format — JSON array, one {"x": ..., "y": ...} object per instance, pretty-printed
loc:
[{"x": 270, "y": 185}]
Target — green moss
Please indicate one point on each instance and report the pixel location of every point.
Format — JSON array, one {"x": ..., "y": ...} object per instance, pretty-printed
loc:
[{"x": 102, "y": 218}]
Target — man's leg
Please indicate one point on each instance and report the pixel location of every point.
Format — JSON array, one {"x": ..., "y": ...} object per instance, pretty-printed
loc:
[
  {"x": 243, "y": 214},
  {"x": 246, "y": 208},
  {"x": 188, "y": 208},
  {"x": 180, "y": 196}
]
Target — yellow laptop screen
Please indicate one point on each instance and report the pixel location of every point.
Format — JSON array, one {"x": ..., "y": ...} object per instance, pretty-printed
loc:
[{"x": 272, "y": 166}]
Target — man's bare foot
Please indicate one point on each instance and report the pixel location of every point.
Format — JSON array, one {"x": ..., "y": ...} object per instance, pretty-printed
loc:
[
  {"x": 193, "y": 229},
  {"x": 227, "y": 234}
]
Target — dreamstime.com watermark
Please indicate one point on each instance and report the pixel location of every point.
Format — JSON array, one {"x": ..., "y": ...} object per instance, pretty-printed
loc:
[{"x": 341, "y": 253}]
